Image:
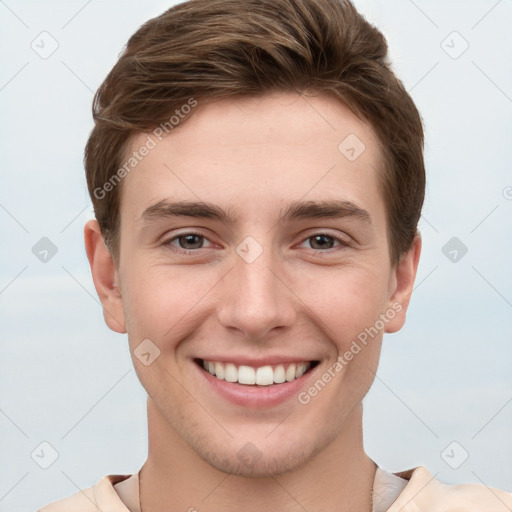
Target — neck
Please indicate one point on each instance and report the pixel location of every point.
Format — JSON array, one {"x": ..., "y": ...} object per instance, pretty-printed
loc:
[{"x": 174, "y": 478}]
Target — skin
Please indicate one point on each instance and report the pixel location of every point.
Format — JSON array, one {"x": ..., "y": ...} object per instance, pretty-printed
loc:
[{"x": 299, "y": 298}]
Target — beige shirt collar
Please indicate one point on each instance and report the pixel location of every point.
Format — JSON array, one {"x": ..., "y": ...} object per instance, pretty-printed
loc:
[
  {"x": 422, "y": 493},
  {"x": 413, "y": 490}
]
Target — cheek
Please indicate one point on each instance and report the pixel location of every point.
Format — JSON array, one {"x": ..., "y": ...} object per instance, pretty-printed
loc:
[
  {"x": 347, "y": 301},
  {"x": 160, "y": 301}
]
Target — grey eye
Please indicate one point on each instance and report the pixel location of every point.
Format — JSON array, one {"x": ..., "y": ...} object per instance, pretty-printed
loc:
[
  {"x": 190, "y": 241},
  {"x": 322, "y": 241}
]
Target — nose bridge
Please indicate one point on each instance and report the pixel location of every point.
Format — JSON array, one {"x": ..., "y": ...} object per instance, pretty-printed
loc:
[{"x": 255, "y": 300}]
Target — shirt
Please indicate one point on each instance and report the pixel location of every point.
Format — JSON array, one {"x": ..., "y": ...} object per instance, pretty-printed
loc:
[{"x": 413, "y": 490}]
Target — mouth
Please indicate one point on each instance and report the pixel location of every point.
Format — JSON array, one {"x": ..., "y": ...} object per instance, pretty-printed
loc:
[{"x": 267, "y": 375}]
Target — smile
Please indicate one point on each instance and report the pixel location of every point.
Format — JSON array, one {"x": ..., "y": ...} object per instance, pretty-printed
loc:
[{"x": 261, "y": 376}]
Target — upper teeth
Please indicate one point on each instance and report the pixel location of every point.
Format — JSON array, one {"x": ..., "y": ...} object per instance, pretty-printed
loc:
[{"x": 262, "y": 376}]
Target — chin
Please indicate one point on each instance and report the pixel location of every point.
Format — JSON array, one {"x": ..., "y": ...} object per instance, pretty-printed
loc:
[
  {"x": 260, "y": 466},
  {"x": 258, "y": 456}
]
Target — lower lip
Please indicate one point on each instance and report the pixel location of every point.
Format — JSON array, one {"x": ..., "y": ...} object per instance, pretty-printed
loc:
[{"x": 256, "y": 396}]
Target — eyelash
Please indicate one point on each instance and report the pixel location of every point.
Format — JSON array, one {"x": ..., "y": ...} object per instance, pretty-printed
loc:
[{"x": 168, "y": 243}]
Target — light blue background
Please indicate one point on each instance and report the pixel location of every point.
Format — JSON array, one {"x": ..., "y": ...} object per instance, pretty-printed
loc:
[{"x": 66, "y": 379}]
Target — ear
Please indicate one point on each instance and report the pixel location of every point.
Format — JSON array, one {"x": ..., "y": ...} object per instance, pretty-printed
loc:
[
  {"x": 105, "y": 277},
  {"x": 401, "y": 285}
]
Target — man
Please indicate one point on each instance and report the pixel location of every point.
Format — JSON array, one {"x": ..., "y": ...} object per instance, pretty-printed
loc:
[{"x": 273, "y": 137}]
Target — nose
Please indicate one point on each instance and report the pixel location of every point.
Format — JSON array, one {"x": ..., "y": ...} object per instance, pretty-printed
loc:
[{"x": 255, "y": 298}]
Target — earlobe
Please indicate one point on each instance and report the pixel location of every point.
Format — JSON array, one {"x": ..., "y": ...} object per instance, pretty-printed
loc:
[
  {"x": 104, "y": 275},
  {"x": 403, "y": 284}
]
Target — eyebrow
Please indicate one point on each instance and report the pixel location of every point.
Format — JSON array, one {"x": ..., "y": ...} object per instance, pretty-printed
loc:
[{"x": 297, "y": 210}]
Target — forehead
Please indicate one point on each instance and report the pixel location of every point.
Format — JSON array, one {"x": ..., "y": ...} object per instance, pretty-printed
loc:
[{"x": 258, "y": 153}]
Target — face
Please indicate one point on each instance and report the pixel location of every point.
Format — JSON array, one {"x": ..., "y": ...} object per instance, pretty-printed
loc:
[{"x": 254, "y": 261}]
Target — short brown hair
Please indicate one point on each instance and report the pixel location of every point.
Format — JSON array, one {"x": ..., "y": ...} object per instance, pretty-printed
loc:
[{"x": 216, "y": 49}]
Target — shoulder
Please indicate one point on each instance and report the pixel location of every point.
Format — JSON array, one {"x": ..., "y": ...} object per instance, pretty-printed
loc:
[
  {"x": 424, "y": 493},
  {"x": 101, "y": 496}
]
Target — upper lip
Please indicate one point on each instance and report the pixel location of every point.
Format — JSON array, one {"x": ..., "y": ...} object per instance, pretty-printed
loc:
[{"x": 258, "y": 362}]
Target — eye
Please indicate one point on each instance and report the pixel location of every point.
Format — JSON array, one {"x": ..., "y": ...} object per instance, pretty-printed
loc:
[
  {"x": 321, "y": 241},
  {"x": 187, "y": 242}
]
